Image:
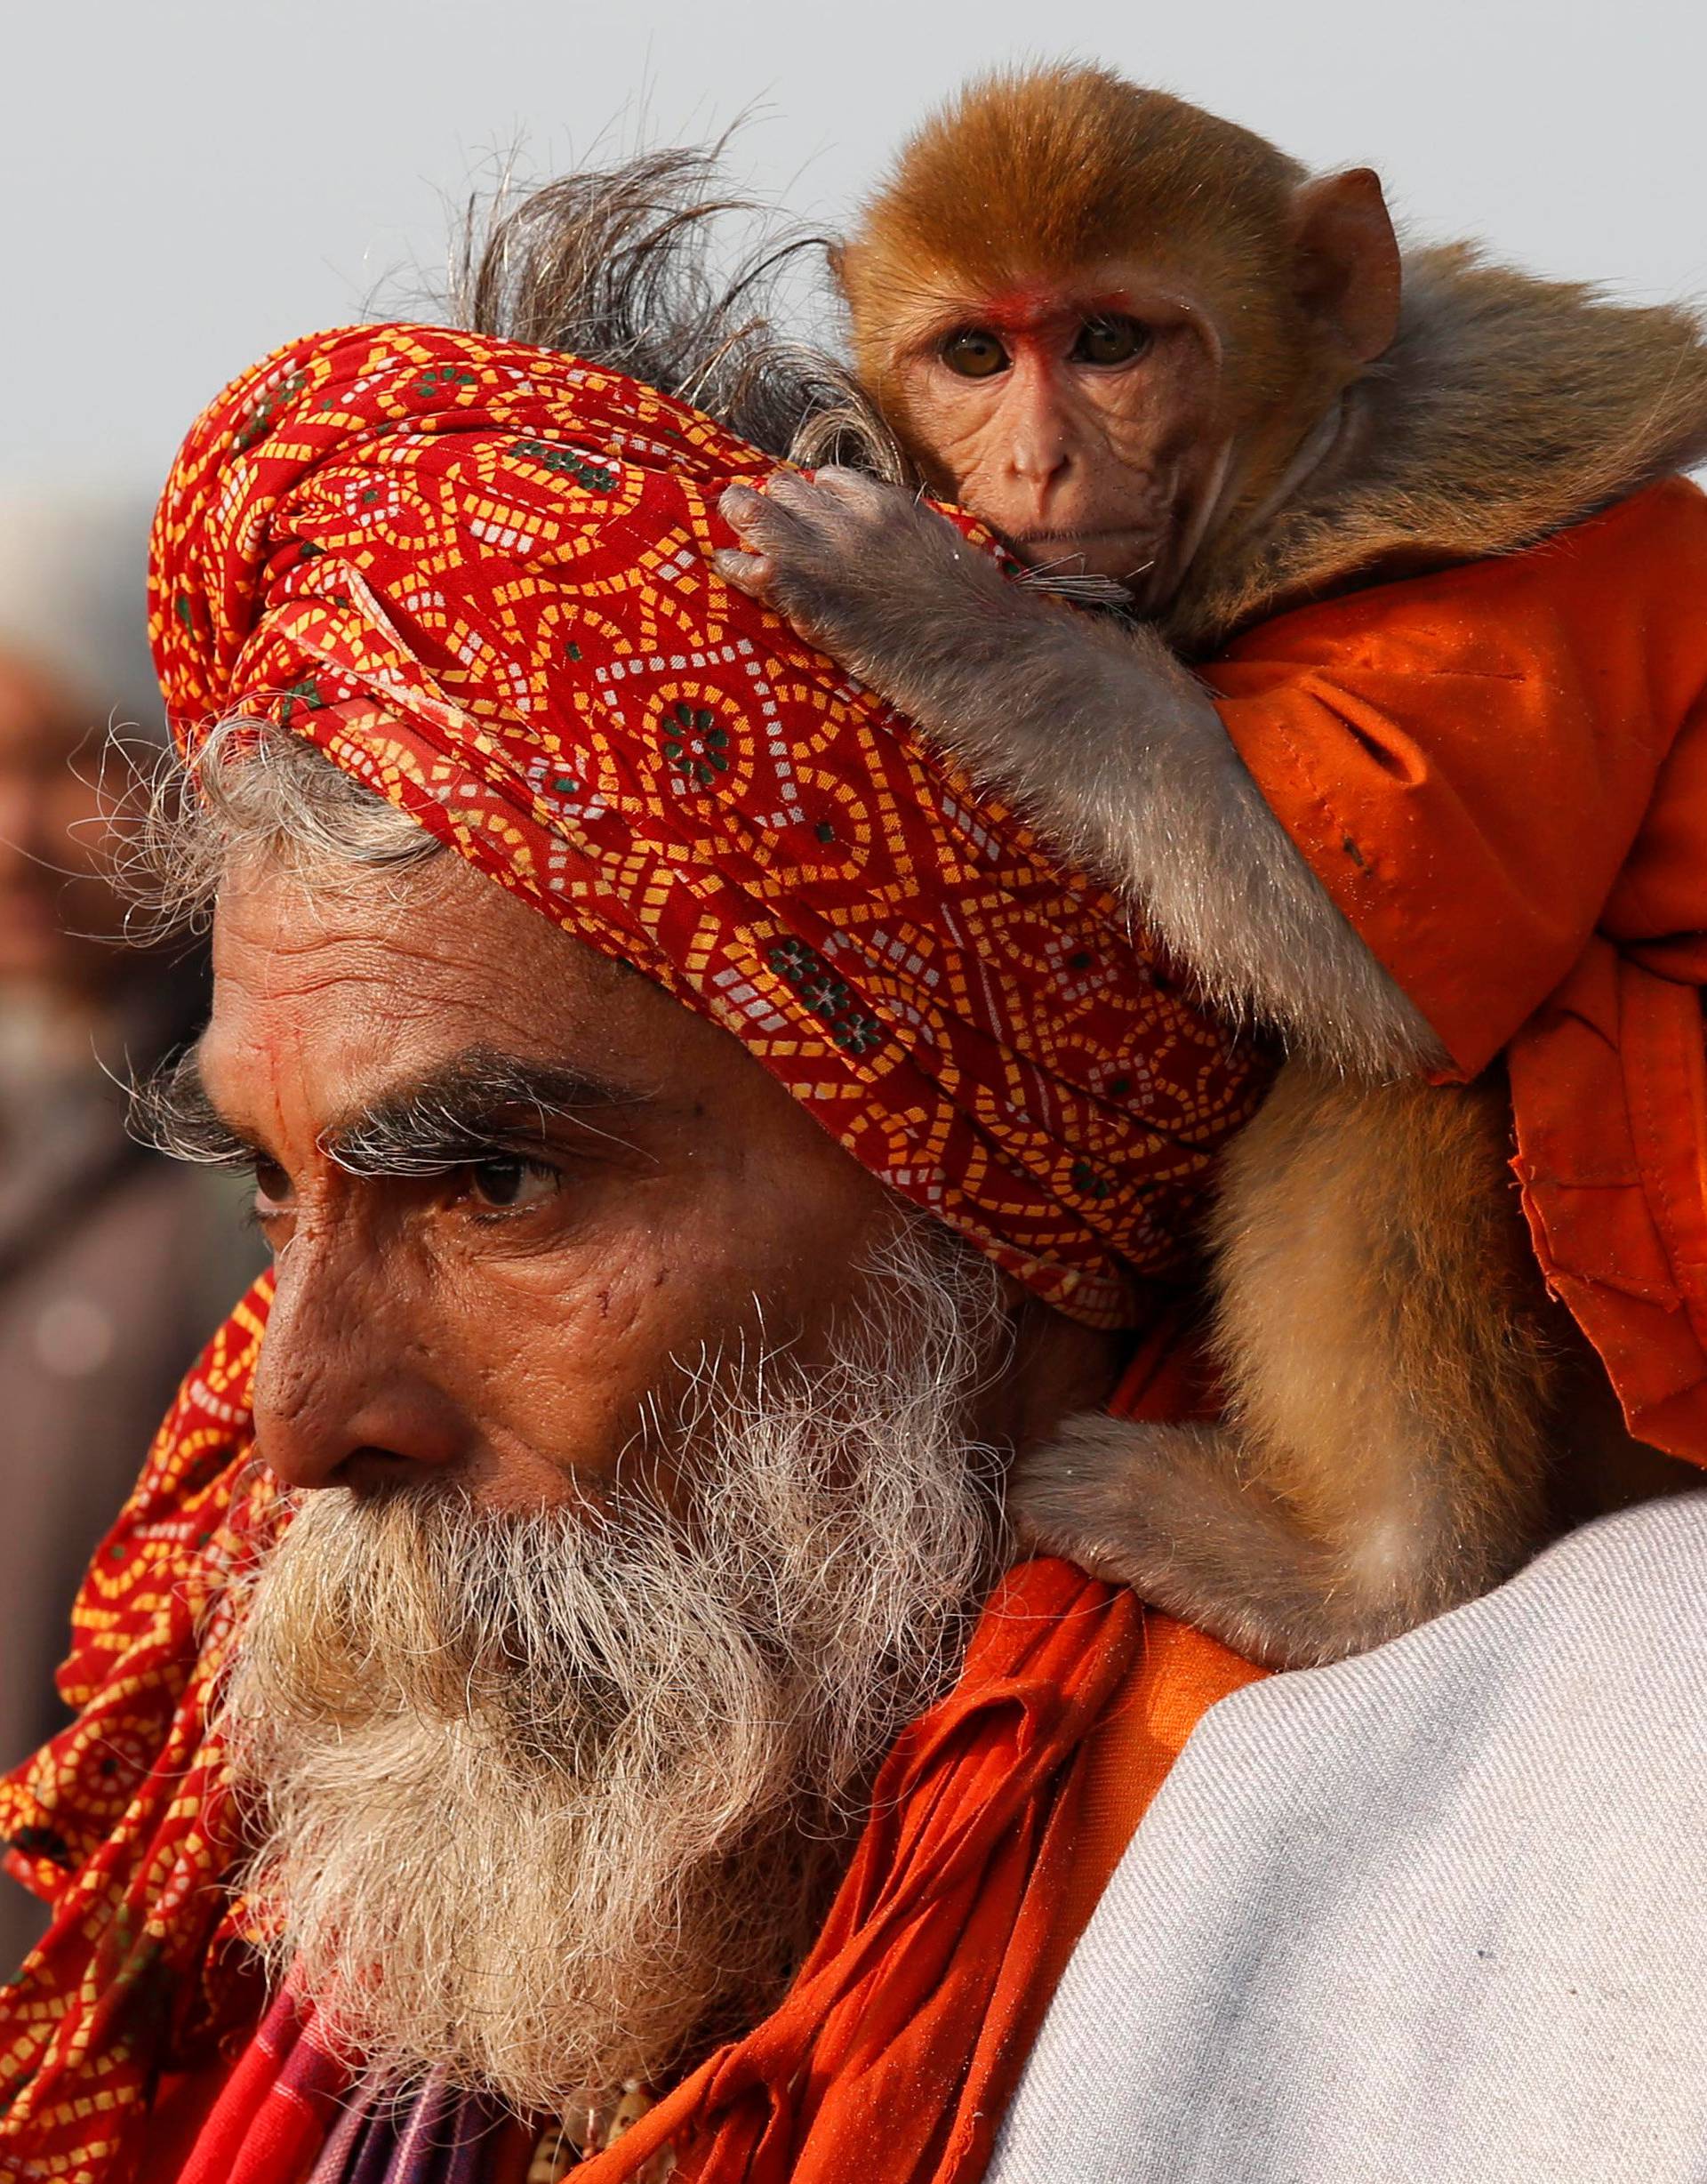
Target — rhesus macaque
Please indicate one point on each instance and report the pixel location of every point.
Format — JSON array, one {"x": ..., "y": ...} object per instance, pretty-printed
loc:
[{"x": 1151, "y": 352}]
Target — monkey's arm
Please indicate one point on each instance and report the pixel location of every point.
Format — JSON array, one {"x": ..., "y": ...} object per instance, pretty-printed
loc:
[{"x": 1098, "y": 731}]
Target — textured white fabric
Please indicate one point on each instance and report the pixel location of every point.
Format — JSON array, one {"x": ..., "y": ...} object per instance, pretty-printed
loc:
[{"x": 1439, "y": 1914}]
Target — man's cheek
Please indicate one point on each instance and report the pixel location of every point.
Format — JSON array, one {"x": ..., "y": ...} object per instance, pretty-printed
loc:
[{"x": 564, "y": 1377}]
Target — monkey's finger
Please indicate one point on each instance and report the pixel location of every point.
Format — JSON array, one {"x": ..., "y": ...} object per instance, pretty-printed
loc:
[
  {"x": 856, "y": 489},
  {"x": 738, "y": 505},
  {"x": 750, "y": 573},
  {"x": 791, "y": 489},
  {"x": 760, "y": 520},
  {"x": 811, "y": 502}
]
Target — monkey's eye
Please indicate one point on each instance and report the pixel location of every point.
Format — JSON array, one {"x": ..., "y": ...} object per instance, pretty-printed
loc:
[
  {"x": 1111, "y": 341},
  {"x": 974, "y": 353}
]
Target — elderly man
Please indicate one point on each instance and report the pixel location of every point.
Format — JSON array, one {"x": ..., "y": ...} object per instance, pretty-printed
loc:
[{"x": 699, "y": 1142}]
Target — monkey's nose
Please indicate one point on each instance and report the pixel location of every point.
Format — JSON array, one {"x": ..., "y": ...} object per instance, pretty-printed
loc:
[{"x": 1039, "y": 460}]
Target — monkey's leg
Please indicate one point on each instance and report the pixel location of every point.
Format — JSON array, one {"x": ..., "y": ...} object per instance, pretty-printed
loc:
[{"x": 1381, "y": 1331}]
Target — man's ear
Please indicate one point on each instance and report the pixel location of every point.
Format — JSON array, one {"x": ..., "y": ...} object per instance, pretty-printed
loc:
[{"x": 1347, "y": 259}]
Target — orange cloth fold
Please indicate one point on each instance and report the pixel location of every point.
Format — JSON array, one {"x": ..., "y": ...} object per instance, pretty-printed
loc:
[
  {"x": 1500, "y": 775},
  {"x": 898, "y": 2048}
]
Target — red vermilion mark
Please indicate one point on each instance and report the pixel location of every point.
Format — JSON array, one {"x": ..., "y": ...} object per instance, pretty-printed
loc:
[{"x": 1034, "y": 307}]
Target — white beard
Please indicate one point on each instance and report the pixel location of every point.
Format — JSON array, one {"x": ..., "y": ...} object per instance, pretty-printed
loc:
[{"x": 552, "y": 1800}]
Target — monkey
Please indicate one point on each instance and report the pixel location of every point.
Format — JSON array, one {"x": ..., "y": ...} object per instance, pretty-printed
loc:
[{"x": 1148, "y": 349}]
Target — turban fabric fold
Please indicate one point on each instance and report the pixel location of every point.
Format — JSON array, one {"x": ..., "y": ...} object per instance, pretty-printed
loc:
[{"x": 477, "y": 576}]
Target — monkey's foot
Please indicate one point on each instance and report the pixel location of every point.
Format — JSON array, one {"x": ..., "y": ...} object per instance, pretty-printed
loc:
[{"x": 1164, "y": 1510}]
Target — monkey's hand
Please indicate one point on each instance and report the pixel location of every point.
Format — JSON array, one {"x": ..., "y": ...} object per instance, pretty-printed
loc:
[
  {"x": 1034, "y": 699},
  {"x": 1095, "y": 729},
  {"x": 883, "y": 585}
]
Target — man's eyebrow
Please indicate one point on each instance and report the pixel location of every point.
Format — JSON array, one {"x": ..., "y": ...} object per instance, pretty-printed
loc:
[
  {"x": 170, "y": 1109},
  {"x": 459, "y": 1112}
]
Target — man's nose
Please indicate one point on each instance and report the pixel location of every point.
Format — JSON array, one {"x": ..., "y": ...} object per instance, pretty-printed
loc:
[{"x": 344, "y": 1394}]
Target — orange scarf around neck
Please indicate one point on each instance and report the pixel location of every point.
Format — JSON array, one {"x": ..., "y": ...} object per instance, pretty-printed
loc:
[{"x": 996, "y": 1821}]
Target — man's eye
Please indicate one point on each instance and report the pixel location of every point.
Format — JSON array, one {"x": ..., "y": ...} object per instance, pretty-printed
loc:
[
  {"x": 974, "y": 353},
  {"x": 508, "y": 1183},
  {"x": 272, "y": 1187},
  {"x": 1111, "y": 340}
]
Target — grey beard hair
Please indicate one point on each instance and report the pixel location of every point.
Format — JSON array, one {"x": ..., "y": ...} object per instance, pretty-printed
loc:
[{"x": 554, "y": 1801}]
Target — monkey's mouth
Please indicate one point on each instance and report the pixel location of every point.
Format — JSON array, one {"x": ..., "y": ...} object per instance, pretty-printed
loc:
[{"x": 1124, "y": 554}]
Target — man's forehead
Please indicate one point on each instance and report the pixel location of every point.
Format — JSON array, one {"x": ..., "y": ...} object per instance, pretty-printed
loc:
[{"x": 340, "y": 996}]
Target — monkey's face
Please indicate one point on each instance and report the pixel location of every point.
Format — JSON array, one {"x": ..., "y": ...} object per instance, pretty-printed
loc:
[
  {"x": 1121, "y": 415},
  {"x": 1082, "y": 419}
]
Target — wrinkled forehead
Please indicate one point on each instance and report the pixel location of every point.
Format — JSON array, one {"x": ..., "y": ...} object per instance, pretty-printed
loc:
[{"x": 340, "y": 993}]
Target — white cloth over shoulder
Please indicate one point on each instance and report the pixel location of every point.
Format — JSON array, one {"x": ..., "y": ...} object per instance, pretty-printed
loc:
[{"x": 1436, "y": 1915}]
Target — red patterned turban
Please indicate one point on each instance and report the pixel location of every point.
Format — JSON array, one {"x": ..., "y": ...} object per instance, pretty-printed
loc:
[{"x": 477, "y": 576}]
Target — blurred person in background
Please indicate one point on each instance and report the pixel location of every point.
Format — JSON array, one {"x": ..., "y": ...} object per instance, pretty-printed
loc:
[{"x": 112, "y": 1260}]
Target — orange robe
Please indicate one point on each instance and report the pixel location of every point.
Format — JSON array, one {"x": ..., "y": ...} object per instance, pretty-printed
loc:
[{"x": 1499, "y": 773}]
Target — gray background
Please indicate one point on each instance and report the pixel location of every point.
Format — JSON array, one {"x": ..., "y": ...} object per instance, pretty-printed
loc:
[{"x": 187, "y": 184}]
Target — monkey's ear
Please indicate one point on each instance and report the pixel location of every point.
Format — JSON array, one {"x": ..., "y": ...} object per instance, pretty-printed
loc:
[
  {"x": 1348, "y": 269},
  {"x": 836, "y": 253}
]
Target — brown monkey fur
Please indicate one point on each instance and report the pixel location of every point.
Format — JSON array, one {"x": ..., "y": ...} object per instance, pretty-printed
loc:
[
  {"x": 1408, "y": 1415},
  {"x": 1504, "y": 408}
]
